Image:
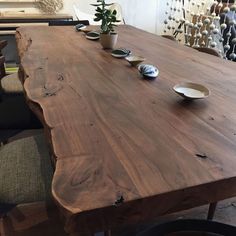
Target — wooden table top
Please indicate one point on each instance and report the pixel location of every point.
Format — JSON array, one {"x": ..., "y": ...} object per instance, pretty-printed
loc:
[{"x": 127, "y": 149}]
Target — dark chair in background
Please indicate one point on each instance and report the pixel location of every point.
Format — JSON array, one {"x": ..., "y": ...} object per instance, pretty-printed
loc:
[
  {"x": 210, "y": 51},
  {"x": 171, "y": 37},
  {"x": 15, "y": 114},
  {"x": 68, "y": 23},
  {"x": 9, "y": 83},
  {"x": 9, "y": 51},
  {"x": 3, "y": 44}
]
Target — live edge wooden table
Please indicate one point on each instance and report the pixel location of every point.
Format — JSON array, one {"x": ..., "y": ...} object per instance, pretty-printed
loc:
[{"x": 125, "y": 149}]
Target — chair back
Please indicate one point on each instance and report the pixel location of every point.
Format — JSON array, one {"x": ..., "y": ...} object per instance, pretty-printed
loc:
[
  {"x": 2, "y": 67},
  {"x": 68, "y": 23},
  {"x": 170, "y": 37},
  {"x": 3, "y": 44},
  {"x": 210, "y": 51},
  {"x": 119, "y": 15},
  {"x": 81, "y": 15},
  {"x": 87, "y": 13}
]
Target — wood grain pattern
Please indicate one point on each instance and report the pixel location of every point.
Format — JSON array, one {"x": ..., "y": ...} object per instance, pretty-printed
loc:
[{"x": 127, "y": 149}]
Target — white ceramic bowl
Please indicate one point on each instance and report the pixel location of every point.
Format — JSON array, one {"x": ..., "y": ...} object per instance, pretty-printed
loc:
[{"x": 191, "y": 90}]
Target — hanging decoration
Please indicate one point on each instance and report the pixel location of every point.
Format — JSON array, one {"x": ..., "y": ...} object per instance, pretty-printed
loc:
[
  {"x": 50, "y": 6},
  {"x": 202, "y": 23}
]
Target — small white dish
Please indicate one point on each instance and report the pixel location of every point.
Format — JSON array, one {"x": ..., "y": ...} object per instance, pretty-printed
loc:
[
  {"x": 80, "y": 27},
  {"x": 135, "y": 60},
  {"x": 93, "y": 35},
  {"x": 191, "y": 90}
]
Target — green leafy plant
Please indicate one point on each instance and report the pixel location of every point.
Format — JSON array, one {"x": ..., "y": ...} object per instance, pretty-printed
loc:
[{"x": 107, "y": 16}]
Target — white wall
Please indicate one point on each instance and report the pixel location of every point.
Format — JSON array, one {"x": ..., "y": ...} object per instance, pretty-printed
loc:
[
  {"x": 136, "y": 12},
  {"x": 145, "y": 14},
  {"x": 140, "y": 13}
]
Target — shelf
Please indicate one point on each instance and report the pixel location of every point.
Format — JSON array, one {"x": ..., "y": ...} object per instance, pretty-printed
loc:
[
  {"x": 18, "y": 1},
  {"x": 16, "y": 25},
  {"x": 7, "y": 32},
  {"x": 34, "y": 16}
]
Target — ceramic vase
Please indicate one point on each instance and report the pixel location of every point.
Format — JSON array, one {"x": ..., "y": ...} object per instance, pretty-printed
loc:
[{"x": 108, "y": 41}]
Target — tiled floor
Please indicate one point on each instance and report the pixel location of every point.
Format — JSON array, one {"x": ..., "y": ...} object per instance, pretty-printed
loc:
[{"x": 39, "y": 225}]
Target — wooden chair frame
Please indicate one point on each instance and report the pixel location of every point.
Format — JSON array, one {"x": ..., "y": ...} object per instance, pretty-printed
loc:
[{"x": 3, "y": 44}]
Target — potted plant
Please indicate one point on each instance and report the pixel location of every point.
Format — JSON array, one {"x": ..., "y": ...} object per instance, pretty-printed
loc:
[{"x": 108, "y": 36}]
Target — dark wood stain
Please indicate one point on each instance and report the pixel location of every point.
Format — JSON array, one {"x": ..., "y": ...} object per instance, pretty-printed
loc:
[{"x": 113, "y": 132}]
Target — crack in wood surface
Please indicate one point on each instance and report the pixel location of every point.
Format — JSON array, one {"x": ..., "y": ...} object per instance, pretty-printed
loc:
[
  {"x": 24, "y": 47},
  {"x": 53, "y": 91}
]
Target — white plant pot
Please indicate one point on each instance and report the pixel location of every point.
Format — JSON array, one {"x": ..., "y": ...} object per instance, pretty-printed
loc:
[{"x": 108, "y": 41}]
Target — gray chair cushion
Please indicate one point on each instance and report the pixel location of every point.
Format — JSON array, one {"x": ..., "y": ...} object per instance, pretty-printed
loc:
[
  {"x": 11, "y": 84},
  {"x": 25, "y": 171}
]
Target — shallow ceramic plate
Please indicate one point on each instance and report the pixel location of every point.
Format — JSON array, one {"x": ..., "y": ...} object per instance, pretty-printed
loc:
[
  {"x": 93, "y": 35},
  {"x": 120, "y": 53},
  {"x": 135, "y": 60},
  {"x": 190, "y": 90}
]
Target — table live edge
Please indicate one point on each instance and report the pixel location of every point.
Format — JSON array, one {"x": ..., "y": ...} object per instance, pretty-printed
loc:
[{"x": 127, "y": 150}]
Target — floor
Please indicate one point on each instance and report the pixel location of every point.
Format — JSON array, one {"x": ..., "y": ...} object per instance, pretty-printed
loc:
[{"x": 33, "y": 220}]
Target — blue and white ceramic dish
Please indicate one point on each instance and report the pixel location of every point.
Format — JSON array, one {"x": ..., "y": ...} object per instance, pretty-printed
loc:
[
  {"x": 120, "y": 53},
  {"x": 80, "y": 27},
  {"x": 148, "y": 71}
]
